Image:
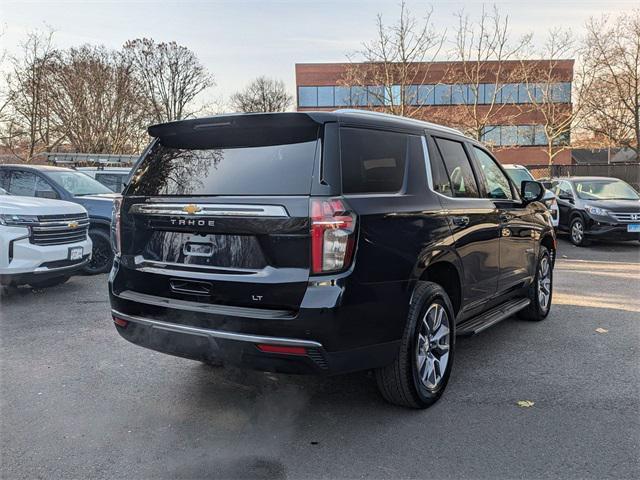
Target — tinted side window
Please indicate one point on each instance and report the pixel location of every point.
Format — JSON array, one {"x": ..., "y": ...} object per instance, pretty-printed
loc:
[
  {"x": 372, "y": 161},
  {"x": 44, "y": 189},
  {"x": 496, "y": 182},
  {"x": 463, "y": 182},
  {"x": 441, "y": 183},
  {"x": 110, "y": 180},
  {"x": 4, "y": 179},
  {"x": 23, "y": 183}
]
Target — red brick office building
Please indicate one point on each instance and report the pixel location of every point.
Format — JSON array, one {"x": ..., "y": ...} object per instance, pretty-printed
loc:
[{"x": 507, "y": 94}]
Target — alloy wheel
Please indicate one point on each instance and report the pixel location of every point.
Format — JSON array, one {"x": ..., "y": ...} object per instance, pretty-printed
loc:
[
  {"x": 577, "y": 232},
  {"x": 432, "y": 349},
  {"x": 544, "y": 283}
]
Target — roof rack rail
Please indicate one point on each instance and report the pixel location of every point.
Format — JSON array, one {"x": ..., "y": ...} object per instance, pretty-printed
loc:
[
  {"x": 390, "y": 115},
  {"x": 99, "y": 160}
]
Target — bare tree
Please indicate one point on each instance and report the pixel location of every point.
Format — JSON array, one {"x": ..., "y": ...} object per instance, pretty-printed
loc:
[
  {"x": 397, "y": 59},
  {"x": 172, "y": 77},
  {"x": 262, "y": 95},
  {"x": 29, "y": 129},
  {"x": 97, "y": 100},
  {"x": 558, "y": 108},
  {"x": 486, "y": 58},
  {"x": 612, "y": 53}
]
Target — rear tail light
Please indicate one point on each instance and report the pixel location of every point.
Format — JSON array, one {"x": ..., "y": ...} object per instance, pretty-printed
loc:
[
  {"x": 332, "y": 235},
  {"x": 115, "y": 226}
]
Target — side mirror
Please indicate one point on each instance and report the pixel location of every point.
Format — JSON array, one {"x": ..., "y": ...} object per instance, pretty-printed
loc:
[
  {"x": 564, "y": 196},
  {"x": 531, "y": 191},
  {"x": 46, "y": 194}
]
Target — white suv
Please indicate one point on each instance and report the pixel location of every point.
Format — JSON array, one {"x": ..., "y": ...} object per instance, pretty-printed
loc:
[{"x": 42, "y": 241}]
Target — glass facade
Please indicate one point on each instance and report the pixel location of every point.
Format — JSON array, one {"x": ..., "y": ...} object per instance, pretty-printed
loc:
[
  {"x": 440, "y": 94},
  {"x": 520, "y": 135}
]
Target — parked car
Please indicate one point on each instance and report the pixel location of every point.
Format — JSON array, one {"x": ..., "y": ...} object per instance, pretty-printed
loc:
[
  {"x": 67, "y": 184},
  {"x": 519, "y": 174},
  {"x": 114, "y": 178},
  {"x": 42, "y": 242},
  {"x": 597, "y": 208},
  {"x": 325, "y": 243}
]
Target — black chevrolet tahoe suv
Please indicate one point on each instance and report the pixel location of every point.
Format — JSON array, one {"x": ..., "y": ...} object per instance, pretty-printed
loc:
[{"x": 325, "y": 242}]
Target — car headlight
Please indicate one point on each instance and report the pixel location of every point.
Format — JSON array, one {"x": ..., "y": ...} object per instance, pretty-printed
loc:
[
  {"x": 601, "y": 212},
  {"x": 18, "y": 220}
]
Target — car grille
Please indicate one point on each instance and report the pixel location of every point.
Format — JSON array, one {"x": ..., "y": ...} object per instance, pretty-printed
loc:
[
  {"x": 626, "y": 217},
  {"x": 59, "y": 229}
]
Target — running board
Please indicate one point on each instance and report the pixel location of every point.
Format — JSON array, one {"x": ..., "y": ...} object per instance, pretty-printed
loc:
[{"x": 488, "y": 319}]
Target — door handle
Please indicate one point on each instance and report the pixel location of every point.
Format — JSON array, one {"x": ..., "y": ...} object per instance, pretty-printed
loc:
[{"x": 460, "y": 221}]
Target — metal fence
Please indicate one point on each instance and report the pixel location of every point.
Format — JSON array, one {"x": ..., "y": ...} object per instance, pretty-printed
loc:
[{"x": 629, "y": 172}]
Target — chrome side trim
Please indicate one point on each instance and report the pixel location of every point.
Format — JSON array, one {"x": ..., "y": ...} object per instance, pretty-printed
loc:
[
  {"x": 210, "y": 209},
  {"x": 204, "y": 308},
  {"x": 238, "y": 337}
]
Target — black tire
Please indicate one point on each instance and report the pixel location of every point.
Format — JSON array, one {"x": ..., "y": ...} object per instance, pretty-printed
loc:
[
  {"x": 50, "y": 282},
  {"x": 400, "y": 382},
  {"x": 101, "y": 253},
  {"x": 578, "y": 236},
  {"x": 539, "y": 310}
]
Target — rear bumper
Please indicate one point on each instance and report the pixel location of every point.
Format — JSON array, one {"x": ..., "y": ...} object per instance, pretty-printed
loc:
[{"x": 244, "y": 350}]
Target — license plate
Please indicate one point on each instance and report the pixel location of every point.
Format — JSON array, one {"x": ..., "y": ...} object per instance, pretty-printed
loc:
[
  {"x": 634, "y": 227},
  {"x": 75, "y": 253}
]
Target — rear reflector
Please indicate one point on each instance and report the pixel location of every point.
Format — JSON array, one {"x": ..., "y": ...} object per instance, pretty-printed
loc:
[
  {"x": 282, "y": 349},
  {"x": 120, "y": 322}
]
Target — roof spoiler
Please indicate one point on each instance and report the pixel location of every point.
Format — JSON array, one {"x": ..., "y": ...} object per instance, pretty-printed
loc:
[{"x": 237, "y": 130}]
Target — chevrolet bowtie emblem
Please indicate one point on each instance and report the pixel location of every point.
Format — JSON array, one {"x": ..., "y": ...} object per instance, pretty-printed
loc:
[
  {"x": 191, "y": 209},
  {"x": 73, "y": 224}
]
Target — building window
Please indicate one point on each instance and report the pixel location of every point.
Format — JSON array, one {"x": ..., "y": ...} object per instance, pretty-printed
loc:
[
  {"x": 343, "y": 96},
  {"x": 526, "y": 134},
  {"x": 540, "y": 137},
  {"x": 442, "y": 94},
  {"x": 308, "y": 96},
  {"x": 489, "y": 94},
  {"x": 426, "y": 95},
  {"x": 376, "y": 95},
  {"x": 491, "y": 135},
  {"x": 459, "y": 94},
  {"x": 508, "y": 135},
  {"x": 325, "y": 97},
  {"x": 561, "y": 92},
  {"x": 475, "y": 94},
  {"x": 392, "y": 96},
  {"x": 359, "y": 96},
  {"x": 411, "y": 95},
  {"x": 509, "y": 93},
  {"x": 562, "y": 138}
]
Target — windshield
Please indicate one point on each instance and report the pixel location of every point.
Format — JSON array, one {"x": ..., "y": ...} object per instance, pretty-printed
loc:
[
  {"x": 518, "y": 175},
  {"x": 76, "y": 183},
  {"x": 605, "y": 190}
]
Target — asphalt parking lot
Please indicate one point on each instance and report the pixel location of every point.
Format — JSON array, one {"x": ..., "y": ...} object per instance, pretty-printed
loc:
[{"x": 77, "y": 401}]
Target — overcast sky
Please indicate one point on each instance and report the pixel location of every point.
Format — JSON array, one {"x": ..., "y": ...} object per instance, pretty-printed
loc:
[{"x": 239, "y": 40}]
